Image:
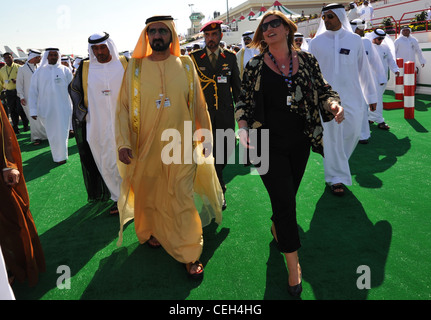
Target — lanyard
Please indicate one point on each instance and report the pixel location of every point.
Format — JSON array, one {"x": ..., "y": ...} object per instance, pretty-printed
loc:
[
  {"x": 32, "y": 71},
  {"x": 287, "y": 78},
  {"x": 9, "y": 73}
]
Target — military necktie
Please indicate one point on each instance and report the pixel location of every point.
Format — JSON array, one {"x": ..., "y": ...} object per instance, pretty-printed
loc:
[{"x": 213, "y": 60}]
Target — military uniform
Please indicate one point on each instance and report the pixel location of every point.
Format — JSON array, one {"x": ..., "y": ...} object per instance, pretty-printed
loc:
[{"x": 221, "y": 85}]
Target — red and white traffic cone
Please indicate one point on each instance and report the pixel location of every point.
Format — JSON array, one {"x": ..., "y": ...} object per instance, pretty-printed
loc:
[
  {"x": 399, "y": 81},
  {"x": 409, "y": 90}
]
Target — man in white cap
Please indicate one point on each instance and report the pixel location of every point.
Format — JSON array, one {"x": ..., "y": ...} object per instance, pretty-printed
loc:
[
  {"x": 353, "y": 12},
  {"x": 407, "y": 47},
  {"x": 344, "y": 65},
  {"x": 65, "y": 61},
  {"x": 367, "y": 13},
  {"x": 49, "y": 100},
  {"x": 386, "y": 52},
  {"x": 161, "y": 95},
  {"x": 23, "y": 81},
  {"x": 246, "y": 53},
  {"x": 94, "y": 91},
  {"x": 379, "y": 74},
  {"x": 300, "y": 41}
]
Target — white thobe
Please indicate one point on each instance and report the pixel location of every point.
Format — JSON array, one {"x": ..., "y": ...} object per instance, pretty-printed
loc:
[
  {"x": 243, "y": 56},
  {"x": 407, "y": 48},
  {"x": 6, "y": 292},
  {"x": 367, "y": 14},
  {"x": 353, "y": 14},
  {"x": 379, "y": 78},
  {"x": 49, "y": 99},
  {"x": 388, "y": 62},
  {"x": 23, "y": 82},
  {"x": 351, "y": 79},
  {"x": 104, "y": 83}
]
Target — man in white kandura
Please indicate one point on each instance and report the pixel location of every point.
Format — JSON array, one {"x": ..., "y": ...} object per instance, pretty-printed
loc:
[
  {"x": 49, "y": 99},
  {"x": 300, "y": 41},
  {"x": 386, "y": 51},
  {"x": 379, "y": 75},
  {"x": 23, "y": 81},
  {"x": 407, "y": 47},
  {"x": 246, "y": 53},
  {"x": 344, "y": 65},
  {"x": 94, "y": 92}
]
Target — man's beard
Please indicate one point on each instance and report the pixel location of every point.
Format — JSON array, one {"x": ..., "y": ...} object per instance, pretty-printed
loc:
[
  {"x": 212, "y": 45},
  {"x": 159, "y": 46}
]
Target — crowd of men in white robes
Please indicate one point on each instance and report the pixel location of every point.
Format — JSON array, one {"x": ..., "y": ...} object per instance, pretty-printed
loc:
[
  {"x": 357, "y": 68},
  {"x": 43, "y": 91}
]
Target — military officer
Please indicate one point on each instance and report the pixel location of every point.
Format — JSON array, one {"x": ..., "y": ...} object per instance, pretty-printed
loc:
[{"x": 219, "y": 75}]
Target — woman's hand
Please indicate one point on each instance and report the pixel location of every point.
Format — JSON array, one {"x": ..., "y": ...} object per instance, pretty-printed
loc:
[{"x": 244, "y": 138}]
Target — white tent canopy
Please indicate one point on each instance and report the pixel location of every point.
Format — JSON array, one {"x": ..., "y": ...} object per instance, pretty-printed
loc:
[{"x": 289, "y": 13}]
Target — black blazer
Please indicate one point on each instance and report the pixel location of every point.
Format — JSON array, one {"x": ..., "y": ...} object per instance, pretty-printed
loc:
[{"x": 225, "y": 78}]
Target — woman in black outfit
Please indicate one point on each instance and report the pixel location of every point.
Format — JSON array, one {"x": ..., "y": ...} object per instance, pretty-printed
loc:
[{"x": 284, "y": 91}]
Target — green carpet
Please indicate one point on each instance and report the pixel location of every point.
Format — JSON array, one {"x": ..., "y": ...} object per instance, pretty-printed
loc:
[{"x": 383, "y": 223}]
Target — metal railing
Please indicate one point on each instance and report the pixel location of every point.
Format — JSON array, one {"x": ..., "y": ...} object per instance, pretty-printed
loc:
[{"x": 393, "y": 26}]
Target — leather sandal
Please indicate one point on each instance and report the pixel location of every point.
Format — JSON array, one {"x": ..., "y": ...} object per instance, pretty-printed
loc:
[
  {"x": 114, "y": 209},
  {"x": 198, "y": 275},
  {"x": 383, "y": 126},
  {"x": 153, "y": 245},
  {"x": 335, "y": 189}
]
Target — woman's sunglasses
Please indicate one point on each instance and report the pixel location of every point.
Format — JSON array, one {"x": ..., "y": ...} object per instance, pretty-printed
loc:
[{"x": 273, "y": 23}]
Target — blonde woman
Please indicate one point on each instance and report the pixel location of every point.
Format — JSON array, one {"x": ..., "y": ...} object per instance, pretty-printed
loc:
[{"x": 284, "y": 91}]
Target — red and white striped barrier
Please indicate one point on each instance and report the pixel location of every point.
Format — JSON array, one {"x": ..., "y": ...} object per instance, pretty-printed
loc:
[
  {"x": 399, "y": 81},
  {"x": 409, "y": 90}
]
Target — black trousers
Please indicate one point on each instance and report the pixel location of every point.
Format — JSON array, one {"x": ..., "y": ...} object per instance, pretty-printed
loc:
[
  {"x": 287, "y": 162},
  {"x": 15, "y": 109},
  {"x": 222, "y": 120}
]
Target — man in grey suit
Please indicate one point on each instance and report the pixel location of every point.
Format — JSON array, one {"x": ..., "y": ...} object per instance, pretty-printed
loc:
[{"x": 219, "y": 75}]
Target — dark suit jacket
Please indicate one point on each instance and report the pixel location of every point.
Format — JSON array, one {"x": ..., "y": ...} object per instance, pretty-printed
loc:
[{"x": 226, "y": 77}]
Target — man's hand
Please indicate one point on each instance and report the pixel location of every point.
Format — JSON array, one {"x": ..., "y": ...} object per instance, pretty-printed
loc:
[
  {"x": 207, "y": 149},
  {"x": 11, "y": 177},
  {"x": 34, "y": 117},
  {"x": 337, "y": 111},
  {"x": 23, "y": 102},
  {"x": 125, "y": 155},
  {"x": 373, "y": 106}
]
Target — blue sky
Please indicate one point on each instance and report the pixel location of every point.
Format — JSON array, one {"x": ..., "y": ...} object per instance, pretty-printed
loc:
[{"x": 67, "y": 25}]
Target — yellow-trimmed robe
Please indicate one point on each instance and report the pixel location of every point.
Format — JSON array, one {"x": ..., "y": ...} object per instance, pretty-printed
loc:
[{"x": 162, "y": 198}]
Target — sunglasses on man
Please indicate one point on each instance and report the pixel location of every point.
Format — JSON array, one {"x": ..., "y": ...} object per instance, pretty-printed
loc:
[
  {"x": 273, "y": 23},
  {"x": 328, "y": 16}
]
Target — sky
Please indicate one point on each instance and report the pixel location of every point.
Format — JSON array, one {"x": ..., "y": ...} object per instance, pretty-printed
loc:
[{"x": 67, "y": 25}]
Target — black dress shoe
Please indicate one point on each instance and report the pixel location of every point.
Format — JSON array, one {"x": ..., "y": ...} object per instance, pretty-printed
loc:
[
  {"x": 295, "y": 291},
  {"x": 224, "y": 205},
  {"x": 26, "y": 129}
]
